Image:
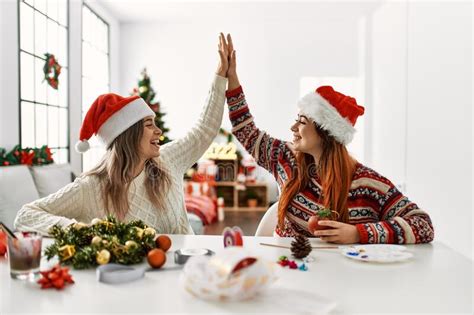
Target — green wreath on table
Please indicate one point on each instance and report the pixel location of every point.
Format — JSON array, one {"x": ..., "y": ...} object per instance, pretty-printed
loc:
[
  {"x": 52, "y": 70},
  {"x": 100, "y": 242}
]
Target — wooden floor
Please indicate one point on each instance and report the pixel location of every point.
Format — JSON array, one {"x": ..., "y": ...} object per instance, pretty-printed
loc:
[{"x": 246, "y": 220}]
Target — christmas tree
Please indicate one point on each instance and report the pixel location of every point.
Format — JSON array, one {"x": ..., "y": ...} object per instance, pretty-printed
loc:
[{"x": 146, "y": 92}]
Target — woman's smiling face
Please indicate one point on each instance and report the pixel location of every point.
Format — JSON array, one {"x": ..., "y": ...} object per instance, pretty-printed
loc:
[
  {"x": 149, "y": 143},
  {"x": 305, "y": 136}
]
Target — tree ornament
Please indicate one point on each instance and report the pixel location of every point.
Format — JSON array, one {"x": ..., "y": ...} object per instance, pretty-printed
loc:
[
  {"x": 163, "y": 242},
  {"x": 300, "y": 247},
  {"x": 57, "y": 278},
  {"x": 149, "y": 231},
  {"x": 131, "y": 245},
  {"x": 79, "y": 225},
  {"x": 103, "y": 257},
  {"x": 66, "y": 252},
  {"x": 96, "y": 221},
  {"x": 323, "y": 214},
  {"x": 139, "y": 232},
  {"x": 96, "y": 240},
  {"x": 156, "y": 258}
]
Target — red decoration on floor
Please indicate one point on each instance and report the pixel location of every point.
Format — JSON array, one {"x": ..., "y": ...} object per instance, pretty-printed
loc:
[{"x": 57, "y": 278}]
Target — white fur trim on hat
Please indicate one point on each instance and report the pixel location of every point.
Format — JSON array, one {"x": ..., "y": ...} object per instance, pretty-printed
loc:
[
  {"x": 123, "y": 119},
  {"x": 82, "y": 146},
  {"x": 314, "y": 106}
]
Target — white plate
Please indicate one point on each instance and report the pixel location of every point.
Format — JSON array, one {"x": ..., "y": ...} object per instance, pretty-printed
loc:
[{"x": 376, "y": 253}]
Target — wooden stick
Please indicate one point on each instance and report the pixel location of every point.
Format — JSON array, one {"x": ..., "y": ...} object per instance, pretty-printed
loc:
[
  {"x": 313, "y": 247},
  {"x": 7, "y": 230}
]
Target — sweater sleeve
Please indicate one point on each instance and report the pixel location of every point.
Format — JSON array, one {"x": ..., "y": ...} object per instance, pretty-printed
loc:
[
  {"x": 58, "y": 208},
  {"x": 272, "y": 154},
  {"x": 402, "y": 222},
  {"x": 184, "y": 152}
]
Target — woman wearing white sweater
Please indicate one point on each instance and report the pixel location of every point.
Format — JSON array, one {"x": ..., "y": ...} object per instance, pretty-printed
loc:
[{"x": 136, "y": 179}]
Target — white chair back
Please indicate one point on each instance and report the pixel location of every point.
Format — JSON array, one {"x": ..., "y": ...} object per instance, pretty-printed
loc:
[{"x": 267, "y": 224}]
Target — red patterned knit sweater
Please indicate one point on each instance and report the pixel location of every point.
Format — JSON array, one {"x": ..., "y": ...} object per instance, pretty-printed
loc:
[{"x": 379, "y": 211}]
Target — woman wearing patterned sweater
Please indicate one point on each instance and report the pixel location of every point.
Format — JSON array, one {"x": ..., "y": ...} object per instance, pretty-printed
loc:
[
  {"x": 136, "y": 178},
  {"x": 315, "y": 171}
]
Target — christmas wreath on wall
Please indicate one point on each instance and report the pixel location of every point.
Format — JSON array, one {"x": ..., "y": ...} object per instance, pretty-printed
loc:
[
  {"x": 52, "y": 70},
  {"x": 28, "y": 156}
]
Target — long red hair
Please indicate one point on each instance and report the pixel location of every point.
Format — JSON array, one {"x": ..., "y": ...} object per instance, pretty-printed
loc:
[{"x": 336, "y": 168}]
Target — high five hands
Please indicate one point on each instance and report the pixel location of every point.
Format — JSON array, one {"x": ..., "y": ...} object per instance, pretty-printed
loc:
[{"x": 227, "y": 62}]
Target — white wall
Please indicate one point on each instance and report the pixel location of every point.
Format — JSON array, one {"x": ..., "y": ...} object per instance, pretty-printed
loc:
[
  {"x": 273, "y": 54},
  {"x": 9, "y": 90},
  {"x": 439, "y": 123},
  {"x": 423, "y": 110}
]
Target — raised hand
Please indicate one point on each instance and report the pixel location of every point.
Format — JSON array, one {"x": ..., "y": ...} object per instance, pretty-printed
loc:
[
  {"x": 232, "y": 70},
  {"x": 223, "y": 66},
  {"x": 232, "y": 59}
]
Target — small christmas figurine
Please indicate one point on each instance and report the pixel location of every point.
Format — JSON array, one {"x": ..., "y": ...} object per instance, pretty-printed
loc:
[{"x": 300, "y": 247}]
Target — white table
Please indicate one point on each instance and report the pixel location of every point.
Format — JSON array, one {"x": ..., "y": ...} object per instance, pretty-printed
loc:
[{"x": 435, "y": 280}]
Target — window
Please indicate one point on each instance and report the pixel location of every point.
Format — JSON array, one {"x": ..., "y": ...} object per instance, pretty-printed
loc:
[
  {"x": 95, "y": 73},
  {"x": 44, "y": 111}
]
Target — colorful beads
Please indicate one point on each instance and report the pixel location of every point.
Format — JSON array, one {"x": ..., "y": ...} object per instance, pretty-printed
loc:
[{"x": 284, "y": 261}]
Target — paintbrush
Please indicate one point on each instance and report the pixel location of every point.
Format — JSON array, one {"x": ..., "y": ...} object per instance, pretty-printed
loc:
[{"x": 7, "y": 230}]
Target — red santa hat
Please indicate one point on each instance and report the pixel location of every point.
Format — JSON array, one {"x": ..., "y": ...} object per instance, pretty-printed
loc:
[
  {"x": 109, "y": 116},
  {"x": 332, "y": 111}
]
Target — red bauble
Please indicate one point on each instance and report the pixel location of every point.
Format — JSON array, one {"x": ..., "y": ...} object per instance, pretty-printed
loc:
[{"x": 313, "y": 224}]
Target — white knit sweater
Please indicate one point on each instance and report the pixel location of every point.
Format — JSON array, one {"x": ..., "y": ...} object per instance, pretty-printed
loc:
[{"x": 82, "y": 201}]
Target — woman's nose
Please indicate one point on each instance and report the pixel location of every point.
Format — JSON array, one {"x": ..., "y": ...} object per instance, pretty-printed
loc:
[
  {"x": 158, "y": 131},
  {"x": 294, "y": 127}
]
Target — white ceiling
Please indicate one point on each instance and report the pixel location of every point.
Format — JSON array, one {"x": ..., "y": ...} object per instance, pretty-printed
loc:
[{"x": 132, "y": 11}]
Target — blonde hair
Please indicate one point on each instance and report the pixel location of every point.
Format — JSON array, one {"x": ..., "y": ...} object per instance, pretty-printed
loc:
[{"x": 116, "y": 171}]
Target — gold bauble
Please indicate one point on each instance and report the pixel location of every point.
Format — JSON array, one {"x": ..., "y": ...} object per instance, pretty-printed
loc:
[
  {"x": 79, "y": 225},
  {"x": 139, "y": 232},
  {"x": 142, "y": 89},
  {"x": 96, "y": 221},
  {"x": 96, "y": 240},
  {"x": 66, "y": 252},
  {"x": 103, "y": 257},
  {"x": 130, "y": 245},
  {"x": 149, "y": 231}
]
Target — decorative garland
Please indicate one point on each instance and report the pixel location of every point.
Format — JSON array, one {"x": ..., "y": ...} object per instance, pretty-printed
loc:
[
  {"x": 51, "y": 70},
  {"x": 28, "y": 156},
  {"x": 105, "y": 240}
]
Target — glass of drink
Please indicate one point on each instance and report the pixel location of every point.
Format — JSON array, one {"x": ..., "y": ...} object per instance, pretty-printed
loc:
[{"x": 24, "y": 254}]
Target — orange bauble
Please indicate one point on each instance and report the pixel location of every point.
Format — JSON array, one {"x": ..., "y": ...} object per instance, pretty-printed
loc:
[
  {"x": 163, "y": 242},
  {"x": 156, "y": 258}
]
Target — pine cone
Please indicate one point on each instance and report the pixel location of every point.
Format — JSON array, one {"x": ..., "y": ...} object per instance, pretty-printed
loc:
[{"x": 300, "y": 247}]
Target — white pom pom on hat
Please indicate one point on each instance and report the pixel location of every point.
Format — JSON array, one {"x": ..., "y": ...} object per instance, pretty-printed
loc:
[
  {"x": 109, "y": 116},
  {"x": 82, "y": 146}
]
